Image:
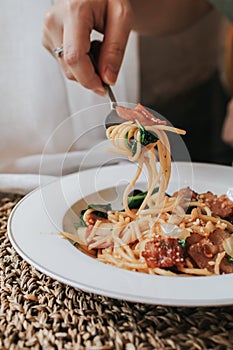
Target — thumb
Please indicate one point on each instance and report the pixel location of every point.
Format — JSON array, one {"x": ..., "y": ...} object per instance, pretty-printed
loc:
[{"x": 116, "y": 34}]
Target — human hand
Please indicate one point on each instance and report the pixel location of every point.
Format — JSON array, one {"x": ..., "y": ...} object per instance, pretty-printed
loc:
[
  {"x": 69, "y": 24},
  {"x": 227, "y": 130}
]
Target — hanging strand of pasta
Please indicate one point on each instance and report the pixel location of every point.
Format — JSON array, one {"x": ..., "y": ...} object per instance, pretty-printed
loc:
[
  {"x": 126, "y": 138},
  {"x": 129, "y": 189},
  {"x": 150, "y": 164},
  {"x": 156, "y": 201},
  {"x": 164, "y": 173}
]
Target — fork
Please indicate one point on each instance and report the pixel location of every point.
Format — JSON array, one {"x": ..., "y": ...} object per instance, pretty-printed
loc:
[{"x": 112, "y": 118}]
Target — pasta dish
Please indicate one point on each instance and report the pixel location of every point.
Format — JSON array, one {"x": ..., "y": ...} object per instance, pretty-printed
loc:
[{"x": 179, "y": 234}]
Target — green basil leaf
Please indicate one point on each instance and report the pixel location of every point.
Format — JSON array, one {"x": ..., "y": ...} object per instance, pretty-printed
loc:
[
  {"x": 146, "y": 137},
  {"x": 100, "y": 207},
  {"x": 182, "y": 242},
  {"x": 134, "y": 202}
]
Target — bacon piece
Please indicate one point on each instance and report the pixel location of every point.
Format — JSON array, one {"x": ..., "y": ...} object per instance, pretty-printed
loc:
[
  {"x": 193, "y": 239},
  {"x": 187, "y": 194},
  {"x": 226, "y": 266},
  {"x": 202, "y": 253},
  {"x": 141, "y": 114},
  {"x": 163, "y": 252},
  {"x": 220, "y": 206},
  {"x": 205, "y": 250},
  {"x": 218, "y": 236}
]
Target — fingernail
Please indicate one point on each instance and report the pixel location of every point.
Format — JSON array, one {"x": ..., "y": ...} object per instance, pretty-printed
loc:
[
  {"x": 100, "y": 91},
  {"x": 110, "y": 74}
]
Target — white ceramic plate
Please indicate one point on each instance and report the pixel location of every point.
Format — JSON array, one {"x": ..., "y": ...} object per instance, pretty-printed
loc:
[{"x": 35, "y": 222}]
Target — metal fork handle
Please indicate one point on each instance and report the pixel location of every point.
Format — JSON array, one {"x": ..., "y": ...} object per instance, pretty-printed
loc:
[
  {"x": 111, "y": 96},
  {"x": 94, "y": 56}
]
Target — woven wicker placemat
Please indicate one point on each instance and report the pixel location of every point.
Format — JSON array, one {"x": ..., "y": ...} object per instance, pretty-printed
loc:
[{"x": 37, "y": 312}]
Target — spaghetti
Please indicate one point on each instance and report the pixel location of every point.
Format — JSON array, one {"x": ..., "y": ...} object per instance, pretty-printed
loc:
[{"x": 184, "y": 234}]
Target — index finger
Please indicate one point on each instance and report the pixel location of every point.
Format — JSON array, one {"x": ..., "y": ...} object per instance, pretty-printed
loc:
[
  {"x": 78, "y": 25},
  {"x": 119, "y": 15}
]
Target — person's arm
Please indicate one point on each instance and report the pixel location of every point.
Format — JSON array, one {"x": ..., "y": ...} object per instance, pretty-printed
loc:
[{"x": 69, "y": 24}]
